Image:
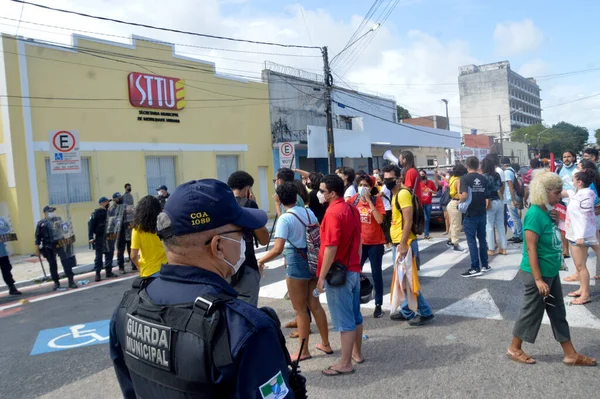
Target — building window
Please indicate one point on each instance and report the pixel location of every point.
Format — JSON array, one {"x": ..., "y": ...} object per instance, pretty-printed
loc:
[
  {"x": 71, "y": 187},
  {"x": 226, "y": 165},
  {"x": 430, "y": 161},
  {"x": 160, "y": 171}
]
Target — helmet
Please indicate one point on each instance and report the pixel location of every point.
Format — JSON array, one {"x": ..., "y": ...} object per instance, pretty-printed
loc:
[{"x": 366, "y": 289}]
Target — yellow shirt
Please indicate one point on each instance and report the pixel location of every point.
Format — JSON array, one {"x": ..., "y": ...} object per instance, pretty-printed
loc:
[
  {"x": 404, "y": 200},
  {"x": 453, "y": 189},
  {"x": 152, "y": 252}
]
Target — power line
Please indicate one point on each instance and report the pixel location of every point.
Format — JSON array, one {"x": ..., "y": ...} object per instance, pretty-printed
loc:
[
  {"x": 162, "y": 28},
  {"x": 572, "y": 101},
  {"x": 155, "y": 41}
]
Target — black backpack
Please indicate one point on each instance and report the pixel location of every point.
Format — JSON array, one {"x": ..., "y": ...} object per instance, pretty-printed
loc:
[
  {"x": 418, "y": 223},
  {"x": 250, "y": 240},
  {"x": 518, "y": 184}
]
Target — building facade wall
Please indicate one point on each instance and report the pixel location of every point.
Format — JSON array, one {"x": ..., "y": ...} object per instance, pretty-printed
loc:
[{"x": 94, "y": 101}]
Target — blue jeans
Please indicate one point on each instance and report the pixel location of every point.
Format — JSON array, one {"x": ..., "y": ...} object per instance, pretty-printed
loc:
[
  {"x": 375, "y": 255},
  {"x": 474, "y": 227},
  {"x": 495, "y": 218},
  {"x": 423, "y": 308},
  {"x": 427, "y": 211},
  {"x": 344, "y": 303},
  {"x": 517, "y": 227}
]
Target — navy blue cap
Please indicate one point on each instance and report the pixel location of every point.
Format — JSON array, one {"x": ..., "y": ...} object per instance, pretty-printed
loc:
[
  {"x": 103, "y": 199},
  {"x": 117, "y": 195},
  {"x": 201, "y": 205},
  {"x": 163, "y": 187},
  {"x": 49, "y": 208}
]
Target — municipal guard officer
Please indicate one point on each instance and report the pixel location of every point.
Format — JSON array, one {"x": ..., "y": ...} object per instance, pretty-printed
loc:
[
  {"x": 116, "y": 210},
  {"x": 96, "y": 231},
  {"x": 46, "y": 235},
  {"x": 162, "y": 195},
  {"x": 216, "y": 346}
]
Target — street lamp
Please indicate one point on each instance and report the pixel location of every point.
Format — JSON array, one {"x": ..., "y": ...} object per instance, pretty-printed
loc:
[{"x": 447, "y": 119}]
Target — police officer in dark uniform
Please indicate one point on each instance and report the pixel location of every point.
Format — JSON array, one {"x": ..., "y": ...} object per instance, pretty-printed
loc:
[
  {"x": 45, "y": 236},
  {"x": 117, "y": 209},
  {"x": 185, "y": 334},
  {"x": 163, "y": 195},
  {"x": 96, "y": 230}
]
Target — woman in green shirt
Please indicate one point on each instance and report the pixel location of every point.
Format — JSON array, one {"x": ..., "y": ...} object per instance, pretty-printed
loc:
[{"x": 539, "y": 273}]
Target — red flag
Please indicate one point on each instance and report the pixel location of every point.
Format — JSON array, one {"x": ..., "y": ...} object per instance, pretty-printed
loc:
[{"x": 552, "y": 164}]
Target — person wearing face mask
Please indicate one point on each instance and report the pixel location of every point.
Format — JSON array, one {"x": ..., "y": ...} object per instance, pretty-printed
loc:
[
  {"x": 316, "y": 204},
  {"x": 115, "y": 234},
  {"x": 162, "y": 195},
  {"x": 185, "y": 333},
  {"x": 96, "y": 230},
  {"x": 127, "y": 197},
  {"x": 539, "y": 273},
  {"x": 371, "y": 211},
  {"x": 427, "y": 189},
  {"x": 46, "y": 233}
]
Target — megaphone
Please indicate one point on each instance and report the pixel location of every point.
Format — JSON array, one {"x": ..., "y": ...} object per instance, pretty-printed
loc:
[{"x": 389, "y": 156}]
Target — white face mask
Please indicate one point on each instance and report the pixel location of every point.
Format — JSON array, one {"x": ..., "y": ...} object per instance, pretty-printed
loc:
[
  {"x": 321, "y": 198},
  {"x": 376, "y": 176},
  {"x": 50, "y": 215},
  {"x": 363, "y": 191},
  {"x": 239, "y": 263}
]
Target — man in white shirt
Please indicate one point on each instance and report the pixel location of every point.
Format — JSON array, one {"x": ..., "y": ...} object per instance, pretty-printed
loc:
[{"x": 510, "y": 200}]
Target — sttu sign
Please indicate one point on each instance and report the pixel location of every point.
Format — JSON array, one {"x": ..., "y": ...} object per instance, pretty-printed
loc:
[{"x": 154, "y": 91}]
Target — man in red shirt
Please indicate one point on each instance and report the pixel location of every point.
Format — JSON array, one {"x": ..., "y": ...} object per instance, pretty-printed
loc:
[
  {"x": 410, "y": 174},
  {"x": 341, "y": 243},
  {"x": 428, "y": 188}
]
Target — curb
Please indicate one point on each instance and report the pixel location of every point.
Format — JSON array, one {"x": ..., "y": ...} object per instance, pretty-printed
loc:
[{"x": 81, "y": 269}]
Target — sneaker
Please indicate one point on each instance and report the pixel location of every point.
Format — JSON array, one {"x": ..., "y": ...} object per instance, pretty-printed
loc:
[
  {"x": 485, "y": 269},
  {"x": 98, "y": 278},
  {"x": 512, "y": 239},
  {"x": 449, "y": 243},
  {"x": 420, "y": 320},
  {"x": 472, "y": 273},
  {"x": 398, "y": 317},
  {"x": 378, "y": 312},
  {"x": 13, "y": 290},
  {"x": 56, "y": 286},
  {"x": 122, "y": 271},
  {"x": 110, "y": 275},
  {"x": 459, "y": 248},
  {"x": 427, "y": 237},
  {"x": 517, "y": 240}
]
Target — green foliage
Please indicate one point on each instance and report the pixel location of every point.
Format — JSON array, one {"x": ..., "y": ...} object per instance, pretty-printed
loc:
[
  {"x": 402, "y": 113},
  {"x": 561, "y": 136},
  {"x": 597, "y": 136}
]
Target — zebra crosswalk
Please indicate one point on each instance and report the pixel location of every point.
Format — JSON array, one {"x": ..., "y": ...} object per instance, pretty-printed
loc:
[{"x": 443, "y": 264}]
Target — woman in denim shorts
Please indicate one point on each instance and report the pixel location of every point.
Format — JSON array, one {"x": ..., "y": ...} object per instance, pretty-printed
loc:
[{"x": 290, "y": 239}]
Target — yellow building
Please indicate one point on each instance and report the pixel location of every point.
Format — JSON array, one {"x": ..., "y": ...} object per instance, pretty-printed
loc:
[{"x": 144, "y": 115}]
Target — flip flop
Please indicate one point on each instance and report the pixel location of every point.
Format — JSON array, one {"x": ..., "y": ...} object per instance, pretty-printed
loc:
[
  {"x": 578, "y": 301},
  {"x": 324, "y": 351},
  {"x": 572, "y": 277},
  {"x": 521, "y": 357},
  {"x": 302, "y": 358},
  {"x": 581, "y": 360},
  {"x": 573, "y": 295},
  {"x": 336, "y": 372},
  {"x": 357, "y": 362}
]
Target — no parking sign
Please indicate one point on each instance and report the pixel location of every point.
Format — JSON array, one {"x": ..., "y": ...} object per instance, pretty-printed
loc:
[
  {"x": 286, "y": 155},
  {"x": 64, "y": 152}
]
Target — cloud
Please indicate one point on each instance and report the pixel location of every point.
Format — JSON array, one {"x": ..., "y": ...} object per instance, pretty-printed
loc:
[
  {"x": 514, "y": 38},
  {"x": 536, "y": 67}
]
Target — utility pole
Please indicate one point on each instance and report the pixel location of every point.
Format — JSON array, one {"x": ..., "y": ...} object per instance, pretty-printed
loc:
[
  {"x": 447, "y": 118},
  {"x": 328, "y": 113},
  {"x": 501, "y": 136}
]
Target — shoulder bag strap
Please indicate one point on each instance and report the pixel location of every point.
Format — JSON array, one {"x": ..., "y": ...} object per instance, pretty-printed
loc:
[{"x": 351, "y": 239}]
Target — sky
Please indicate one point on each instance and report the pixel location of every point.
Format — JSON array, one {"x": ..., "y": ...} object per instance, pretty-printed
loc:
[{"x": 414, "y": 56}]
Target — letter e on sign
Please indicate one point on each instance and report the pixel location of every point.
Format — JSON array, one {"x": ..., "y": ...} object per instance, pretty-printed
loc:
[{"x": 64, "y": 152}]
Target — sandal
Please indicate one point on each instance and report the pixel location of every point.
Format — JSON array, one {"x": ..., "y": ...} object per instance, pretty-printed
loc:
[
  {"x": 294, "y": 334},
  {"x": 573, "y": 294},
  {"x": 358, "y": 362},
  {"x": 492, "y": 253},
  {"x": 579, "y": 301},
  {"x": 581, "y": 360},
  {"x": 520, "y": 357},
  {"x": 291, "y": 324},
  {"x": 322, "y": 347},
  {"x": 331, "y": 372},
  {"x": 572, "y": 277}
]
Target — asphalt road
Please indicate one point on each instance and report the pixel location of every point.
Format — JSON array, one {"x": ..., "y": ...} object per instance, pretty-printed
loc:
[{"x": 454, "y": 357}]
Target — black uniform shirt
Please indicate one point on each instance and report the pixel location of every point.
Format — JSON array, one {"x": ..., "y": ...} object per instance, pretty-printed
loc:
[{"x": 258, "y": 359}]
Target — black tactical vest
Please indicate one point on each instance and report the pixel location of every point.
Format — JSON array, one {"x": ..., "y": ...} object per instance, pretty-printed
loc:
[{"x": 174, "y": 351}]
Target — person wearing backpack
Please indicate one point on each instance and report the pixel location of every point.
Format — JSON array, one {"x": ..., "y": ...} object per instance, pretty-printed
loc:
[
  {"x": 371, "y": 210},
  {"x": 475, "y": 186},
  {"x": 246, "y": 280},
  {"x": 403, "y": 236},
  {"x": 511, "y": 201},
  {"x": 291, "y": 240}
]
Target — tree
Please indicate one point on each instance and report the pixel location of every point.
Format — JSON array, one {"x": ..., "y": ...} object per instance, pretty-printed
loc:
[
  {"x": 597, "y": 136},
  {"x": 402, "y": 113},
  {"x": 558, "y": 138}
]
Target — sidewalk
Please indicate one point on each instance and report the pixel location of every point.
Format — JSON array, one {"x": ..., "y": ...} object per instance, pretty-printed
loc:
[{"x": 27, "y": 270}]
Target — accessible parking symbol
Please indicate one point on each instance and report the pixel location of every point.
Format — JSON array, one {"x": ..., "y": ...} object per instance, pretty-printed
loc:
[{"x": 71, "y": 337}]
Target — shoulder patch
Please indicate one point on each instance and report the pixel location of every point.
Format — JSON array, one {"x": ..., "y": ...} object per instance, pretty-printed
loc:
[{"x": 274, "y": 388}]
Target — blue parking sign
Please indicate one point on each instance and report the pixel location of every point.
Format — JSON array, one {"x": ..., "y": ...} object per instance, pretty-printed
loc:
[
  {"x": 71, "y": 337},
  {"x": 58, "y": 157}
]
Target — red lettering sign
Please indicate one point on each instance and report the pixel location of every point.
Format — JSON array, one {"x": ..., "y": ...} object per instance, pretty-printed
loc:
[{"x": 153, "y": 91}]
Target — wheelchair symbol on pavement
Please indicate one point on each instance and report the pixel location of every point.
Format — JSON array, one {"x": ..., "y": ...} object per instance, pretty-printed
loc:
[{"x": 74, "y": 338}]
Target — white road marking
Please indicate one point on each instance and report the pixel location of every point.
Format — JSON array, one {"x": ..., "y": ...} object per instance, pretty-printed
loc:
[
  {"x": 480, "y": 305},
  {"x": 439, "y": 265},
  {"x": 275, "y": 290},
  {"x": 577, "y": 315},
  {"x": 504, "y": 267}
]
